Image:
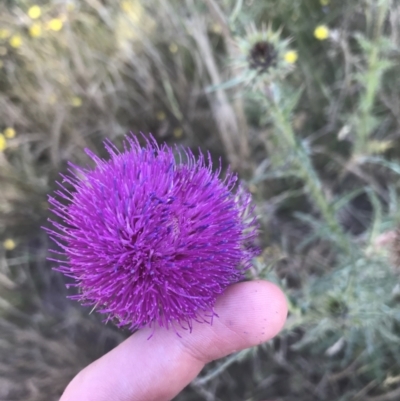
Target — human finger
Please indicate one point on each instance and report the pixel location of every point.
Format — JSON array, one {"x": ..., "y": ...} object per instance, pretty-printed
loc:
[{"x": 156, "y": 369}]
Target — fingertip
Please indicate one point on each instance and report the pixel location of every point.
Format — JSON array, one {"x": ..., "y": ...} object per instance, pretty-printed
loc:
[
  {"x": 259, "y": 309},
  {"x": 275, "y": 307},
  {"x": 250, "y": 313}
]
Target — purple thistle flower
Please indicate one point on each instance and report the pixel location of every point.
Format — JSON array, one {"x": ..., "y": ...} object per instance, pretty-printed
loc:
[{"x": 152, "y": 235}]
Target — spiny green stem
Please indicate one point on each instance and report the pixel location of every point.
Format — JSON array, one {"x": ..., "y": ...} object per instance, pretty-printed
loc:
[
  {"x": 306, "y": 171},
  {"x": 372, "y": 79}
]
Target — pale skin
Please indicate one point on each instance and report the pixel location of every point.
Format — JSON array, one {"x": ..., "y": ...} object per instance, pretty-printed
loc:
[{"x": 157, "y": 369}]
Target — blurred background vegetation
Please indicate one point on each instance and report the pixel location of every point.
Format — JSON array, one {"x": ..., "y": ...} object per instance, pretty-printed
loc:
[{"x": 300, "y": 97}]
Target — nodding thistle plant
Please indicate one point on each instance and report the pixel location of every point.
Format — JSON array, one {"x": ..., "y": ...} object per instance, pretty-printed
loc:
[
  {"x": 266, "y": 60},
  {"x": 264, "y": 56},
  {"x": 150, "y": 238}
]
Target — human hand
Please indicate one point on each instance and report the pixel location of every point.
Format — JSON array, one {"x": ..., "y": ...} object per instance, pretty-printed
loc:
[{"x": 157, "y": 369}]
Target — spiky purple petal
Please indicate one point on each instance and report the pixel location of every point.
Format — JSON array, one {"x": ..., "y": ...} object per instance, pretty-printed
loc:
[{"x": 152, "y": 235}]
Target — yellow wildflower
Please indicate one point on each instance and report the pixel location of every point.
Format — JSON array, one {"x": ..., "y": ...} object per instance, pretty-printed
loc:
[
  {"x": 173, "y": 47},
  {"x": 379, "y": 147},
  {"x": 127, "y": 6},
  {"x": 178, "y": 132},
  {"x": 133, "y": 14},
  {"x": 9, "y": 133},
  {"x": 15, "y": 41},
  {"x": 3, "y": 143},
  {"x": 9, "y": 244},
  {"x": 321, "y": 32},
  {"x": 76, "y": 101},
  {"x": 4, "y": 33},
  {"x": 216, "y": 28},
  {"x": 52, "y": 99},
  {"x": 324, "y": 2},
  {"x": 35, "y": 12},
  {"x": 291, "y": 56},
  {"x": 35, "y": 30},
  {"x": 55, "y": 24},
  {"x": 160, "y": 116}
]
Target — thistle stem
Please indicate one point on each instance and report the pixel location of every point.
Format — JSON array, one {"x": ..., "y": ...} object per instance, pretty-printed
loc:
[
  {"x": 372, "y": 77},
  {"x": 306, "y": 171}
]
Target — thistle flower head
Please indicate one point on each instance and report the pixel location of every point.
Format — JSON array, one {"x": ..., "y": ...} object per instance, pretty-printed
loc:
[
  {"x": 264, "y": 55},
  {"x": 152, "y": 235}
]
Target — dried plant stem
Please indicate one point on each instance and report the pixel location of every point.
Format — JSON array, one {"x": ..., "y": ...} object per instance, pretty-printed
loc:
[
  {"x": 218, "y": 15},
  {"x": 390, "y": 396},
  {"x": 235, "y": 138}
]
